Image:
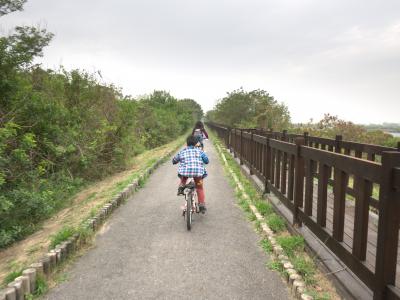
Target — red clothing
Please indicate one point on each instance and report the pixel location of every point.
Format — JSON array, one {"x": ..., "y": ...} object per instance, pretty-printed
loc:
[{"x": 199, "y": 187}]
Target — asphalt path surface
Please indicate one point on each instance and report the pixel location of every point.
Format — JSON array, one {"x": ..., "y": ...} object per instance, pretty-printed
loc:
[{"x": 144, "y": 251}]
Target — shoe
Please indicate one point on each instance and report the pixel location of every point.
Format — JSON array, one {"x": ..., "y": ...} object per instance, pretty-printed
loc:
[
  {"x": 181, "y": 188},
  {"x": 202, "y": 209}
]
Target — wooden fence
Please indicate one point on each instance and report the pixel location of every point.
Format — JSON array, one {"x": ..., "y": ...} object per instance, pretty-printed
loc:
[{"x": 302, "y": 171}]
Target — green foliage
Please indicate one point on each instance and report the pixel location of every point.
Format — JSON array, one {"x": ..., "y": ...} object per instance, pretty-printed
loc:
[
  {"x": 41, "y": 285},
  {"x": 306, "y": 268},
  {"x": 275, "y": 265},
  {"x": 250, "y": 109},
  {"x": 64, "y": 234},
  {"x": 60, "y": 130},
  {"x": 251, "y": 216},
  {"x": 11, "y": 276},
  {"x": 266, "y": 245},
  {"x": 330, "y": 126},
  {"x": 7, "y": 6},
  {"x": 317, "y": 295},
  {"x": 264, "y": 208},
  {"x": 276, "y": 223},
  {"x": 290, "y": 244},
  {"x": 244, "y": 205}
]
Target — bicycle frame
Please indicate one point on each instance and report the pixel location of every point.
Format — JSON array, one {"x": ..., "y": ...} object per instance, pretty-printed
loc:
[
  {"x": 195, "y": 204},
  {"x": 191, "y": 203}
]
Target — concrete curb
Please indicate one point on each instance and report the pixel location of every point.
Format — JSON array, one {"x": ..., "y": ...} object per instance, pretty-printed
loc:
[
  {"x": 296, "y": 282},
  {"x": 27, "y": 283}
]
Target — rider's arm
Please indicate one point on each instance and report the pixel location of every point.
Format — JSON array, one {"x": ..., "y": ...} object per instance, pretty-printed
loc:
[
  {"x": 176, "y": 159},
  {"x": 204, "y": 157},
  {"x": 205, "y": 133}
]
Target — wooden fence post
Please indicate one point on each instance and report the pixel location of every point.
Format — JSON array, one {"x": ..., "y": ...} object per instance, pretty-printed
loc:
[
  {"x": 229, "y": 142},
  {"x": 338, "y": 141},
  {"x": 284, "y": 133},
  {"x": 306, "y": 141},
  {"x": 241, "y": 147},
  {"x": 235, "y": 144},
  {"x": 298, "y": 181},
  {"x": 251, "y": 158},
  {"x": 388, "y": 227},
  {"x": 340, "y": 180},
  {"x": 267, "y": 166}
]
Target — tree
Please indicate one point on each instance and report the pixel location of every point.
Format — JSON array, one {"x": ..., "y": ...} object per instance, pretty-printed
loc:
[
  {"x": 330, "y": 126},
  {"x": 256, "y": 108},
  {"x": 17, "y": 52},
  {"x": 7, "y": 6}
]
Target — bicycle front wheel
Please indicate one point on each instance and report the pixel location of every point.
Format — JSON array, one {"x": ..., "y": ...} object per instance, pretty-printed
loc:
[{"x": 189, "y": 211}]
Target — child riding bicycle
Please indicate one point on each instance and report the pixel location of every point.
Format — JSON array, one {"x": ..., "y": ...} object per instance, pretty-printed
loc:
[
  {"x": 200, "y": 133},
  {"x": 191, "y": 164}
]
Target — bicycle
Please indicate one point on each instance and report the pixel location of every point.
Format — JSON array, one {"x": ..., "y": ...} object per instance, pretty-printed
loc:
[{"x": 189, "y": 191}]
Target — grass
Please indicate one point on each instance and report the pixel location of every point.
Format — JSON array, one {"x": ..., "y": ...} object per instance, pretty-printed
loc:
[
  {"x": 266, "y": 245},
  {"x": 251, "y": 217},
  {"x": 244, "y": 205},
  {"x": 41, "y": 289},
  {"x": 291, "y": 244},
  {"x": 306, "y": 268},
  {"x": 276, "y": 223},
  {"x": 11, "y": 276},
  {"x": 318, "y": 295},
  {"x": 64, "y": 234},
  {"x": 275, "y": 265},
  {"x": 62, "y": 277},
  {"x": 41, "y": 286},
  {"x": 264, "y": 208},
  {"x": 257, "y": 225}
]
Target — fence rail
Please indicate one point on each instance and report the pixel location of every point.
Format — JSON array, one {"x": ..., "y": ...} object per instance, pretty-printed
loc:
[{"x": 305, "y": 172}]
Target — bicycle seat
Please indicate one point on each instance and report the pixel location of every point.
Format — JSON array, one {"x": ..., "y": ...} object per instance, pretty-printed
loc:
[{"x": 191, "y": 185}]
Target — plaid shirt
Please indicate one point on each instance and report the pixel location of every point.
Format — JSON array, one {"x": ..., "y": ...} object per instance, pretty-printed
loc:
[{"x": 192, "y": 162}]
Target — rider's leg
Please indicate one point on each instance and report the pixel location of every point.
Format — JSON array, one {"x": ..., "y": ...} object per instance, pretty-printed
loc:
[
  {"x": 200, "y": 190},
  {"x": 182, "y": 184},
  {"x": 183, "y": 180}
]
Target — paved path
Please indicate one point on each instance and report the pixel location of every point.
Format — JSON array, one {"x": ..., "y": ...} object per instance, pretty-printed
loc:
[{"x": 145, "y": 251}]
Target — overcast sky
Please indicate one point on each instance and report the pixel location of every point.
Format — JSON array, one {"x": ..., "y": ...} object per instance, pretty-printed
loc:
[{"x": 339, "y": 56}]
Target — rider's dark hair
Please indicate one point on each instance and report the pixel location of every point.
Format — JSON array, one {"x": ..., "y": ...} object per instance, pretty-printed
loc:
[
  {"x": 191, "y": 140},
  {"x": 199, "y": 125}
]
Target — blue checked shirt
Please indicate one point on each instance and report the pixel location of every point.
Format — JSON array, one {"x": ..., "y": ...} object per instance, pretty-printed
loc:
[{"x": 192, "y": 162}]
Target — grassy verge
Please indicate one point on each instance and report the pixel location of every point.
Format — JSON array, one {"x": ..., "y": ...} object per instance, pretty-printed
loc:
[
  {"x": 69, "y": 220},
  {"x": 293, "y": 246}
]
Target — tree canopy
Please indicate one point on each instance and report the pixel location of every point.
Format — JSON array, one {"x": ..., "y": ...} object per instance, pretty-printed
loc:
[{"x": 256, "y": 108}]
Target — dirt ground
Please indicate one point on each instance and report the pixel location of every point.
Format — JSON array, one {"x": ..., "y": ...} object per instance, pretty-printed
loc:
[{"x": 32, "y": 248}]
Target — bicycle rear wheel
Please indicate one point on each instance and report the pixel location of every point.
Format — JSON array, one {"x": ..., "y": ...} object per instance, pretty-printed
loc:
[{"x": 189, "y": 211}]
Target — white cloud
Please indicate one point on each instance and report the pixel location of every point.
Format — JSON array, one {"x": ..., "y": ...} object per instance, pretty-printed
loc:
[{"x": 317, "y": 56}]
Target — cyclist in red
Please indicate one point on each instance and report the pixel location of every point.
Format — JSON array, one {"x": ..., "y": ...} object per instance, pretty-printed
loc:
[
  {"x": 200, "y": 133},
  {"x": 191, "y": 164}
]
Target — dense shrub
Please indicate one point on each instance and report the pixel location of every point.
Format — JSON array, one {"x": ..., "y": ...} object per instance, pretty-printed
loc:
[{"x": 60, "y": 129}]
